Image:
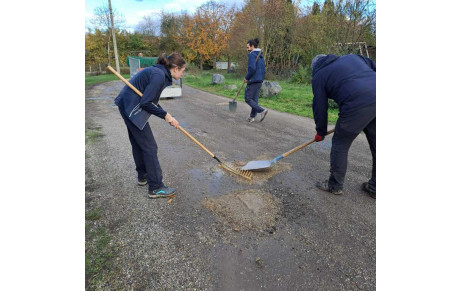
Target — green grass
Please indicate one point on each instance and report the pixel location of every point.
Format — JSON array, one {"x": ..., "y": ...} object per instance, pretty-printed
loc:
[
  {"x": 294, "y": 98},
  {"x": 92, "y": 134},
  {"x": 99, "y": 255},
  {"x": 99, "y": 252},
  {"x": 92, "y": 215},
  {"x": 92, "y": 80}
]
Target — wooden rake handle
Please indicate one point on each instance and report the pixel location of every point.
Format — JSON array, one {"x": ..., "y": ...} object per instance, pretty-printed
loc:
[
  {"x": 180, "y": 128},
  {"x": 242, "y": 85},
  {"x": 125, "y": 81},
  {"x": 304, "y": 145},
  {"x": 197, "y": 142}
]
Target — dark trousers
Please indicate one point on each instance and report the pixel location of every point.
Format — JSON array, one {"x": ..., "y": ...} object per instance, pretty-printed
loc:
[
  {"x": 346, "y": 130},
  {"x": 251, "y": 96},
  {"x": 145, "y": 153}
]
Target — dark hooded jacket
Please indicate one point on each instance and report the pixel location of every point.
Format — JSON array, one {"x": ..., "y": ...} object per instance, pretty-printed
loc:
[
  {"x": 150, "y": 82},
  {"x": 256, "y": 72},
  {"x": 349, "y": 80}
]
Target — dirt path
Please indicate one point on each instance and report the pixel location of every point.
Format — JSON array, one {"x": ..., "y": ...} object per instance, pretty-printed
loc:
[{"x": 221, "y": 232}]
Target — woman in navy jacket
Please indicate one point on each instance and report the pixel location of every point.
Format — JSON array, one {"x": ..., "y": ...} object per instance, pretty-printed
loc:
[{"x": 135, "y": 112}]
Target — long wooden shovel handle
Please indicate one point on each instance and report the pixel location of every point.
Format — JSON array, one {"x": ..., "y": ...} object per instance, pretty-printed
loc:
[
  {"x": 124, "y": 81},
  {"x": 242, "y": 85},
  {"x": 304, "y": 145},
  {"x": 180, "y": 128},
  {"x": 238, "y": 93}
]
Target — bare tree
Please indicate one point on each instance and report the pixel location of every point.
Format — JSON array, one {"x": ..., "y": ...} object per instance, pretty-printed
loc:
[
  {"x": 360, "y": 17},
  {"x": 101, "y": 18},
  {"x": 101, "y": 21},
  {"x": 150, "y": 25},
  {"x": 171, "y": 30}
]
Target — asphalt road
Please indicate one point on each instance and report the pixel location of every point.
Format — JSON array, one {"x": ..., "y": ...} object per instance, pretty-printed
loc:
[{"x": 222, "y": 232}]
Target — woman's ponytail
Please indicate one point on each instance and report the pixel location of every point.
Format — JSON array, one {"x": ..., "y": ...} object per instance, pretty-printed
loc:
[
  {"x": 171, "y": 61},
  {"x": 163, "y": 60}
]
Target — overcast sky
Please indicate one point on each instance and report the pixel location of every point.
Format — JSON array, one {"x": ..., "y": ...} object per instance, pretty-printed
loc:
[{"x": 134, "y": 10}]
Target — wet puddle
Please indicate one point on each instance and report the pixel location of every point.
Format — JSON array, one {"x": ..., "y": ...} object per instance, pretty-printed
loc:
[{"x": 212, "y": 185}]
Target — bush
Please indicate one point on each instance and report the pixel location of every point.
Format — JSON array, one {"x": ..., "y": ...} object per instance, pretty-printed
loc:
[
  {"x": 302, "y": 76},
  {"x": 95, "y": 73},
  {"x": 332, "y": 104},
  {"x": 123, "y": 71},
  {"x": 192, "y": 69},
  {"x": 269, "y": 75}
]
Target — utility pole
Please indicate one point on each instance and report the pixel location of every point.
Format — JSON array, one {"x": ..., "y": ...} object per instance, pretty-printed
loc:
[{"x": 115, "y": 50}]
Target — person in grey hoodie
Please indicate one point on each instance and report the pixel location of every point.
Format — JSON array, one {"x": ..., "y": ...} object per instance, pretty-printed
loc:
[
  {"x": 136, "y": 111},
  {"x": 254, "y": 78}
]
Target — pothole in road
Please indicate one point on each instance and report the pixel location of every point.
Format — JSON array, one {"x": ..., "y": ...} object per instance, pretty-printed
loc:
[{"x": 246, "y": 210}]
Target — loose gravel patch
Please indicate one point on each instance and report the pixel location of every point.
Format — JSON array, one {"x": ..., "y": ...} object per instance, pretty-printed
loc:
[{"x": 246, "y": 210}]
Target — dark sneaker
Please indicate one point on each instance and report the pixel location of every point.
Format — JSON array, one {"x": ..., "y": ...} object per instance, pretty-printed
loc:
[
  {"x": 263, "y": 115},
  {"x": 163, "y": 192},
  {"x": 142, "y": 182},
  {"x": 325, "y": 187},
  {"x": 251, "y": 119},
  {"x": 368, "y": 189}
]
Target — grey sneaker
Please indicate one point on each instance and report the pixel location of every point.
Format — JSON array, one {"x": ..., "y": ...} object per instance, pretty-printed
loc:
[
  {"x": 142, "y": 182},
  {"x": 163, "y": 192},
  {"x": 368, "y": 189},
  {"x": 251, "y": 119},
  {"x": 325, "y": 187},
  {"x": 263, "y": 115}
]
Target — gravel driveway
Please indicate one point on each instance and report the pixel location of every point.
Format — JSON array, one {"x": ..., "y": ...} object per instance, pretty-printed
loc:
[{"x": 221, "y": 232}]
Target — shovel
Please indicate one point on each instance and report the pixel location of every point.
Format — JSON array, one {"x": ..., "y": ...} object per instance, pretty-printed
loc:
[
  {"x": 232, "y": 104},
  {"x": 261, "y": 165}
]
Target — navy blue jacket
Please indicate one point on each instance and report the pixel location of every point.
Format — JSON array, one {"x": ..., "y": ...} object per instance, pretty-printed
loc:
[
  {"x": 150, "y": 82},
  {"x": 349, "y": 80},
  {"x": 256, "y": 72}
]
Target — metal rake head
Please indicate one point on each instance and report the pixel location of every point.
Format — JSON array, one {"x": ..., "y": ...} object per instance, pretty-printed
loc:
[{"x": 242, "y": 173}]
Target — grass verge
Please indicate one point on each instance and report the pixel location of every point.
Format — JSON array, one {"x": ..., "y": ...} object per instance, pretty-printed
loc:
[
  {"x": 99, "y": 252},
  {"x": 294, "y": 98},
  {"x": 92, "y": 135},
  {"x": 93, "y": 80}
]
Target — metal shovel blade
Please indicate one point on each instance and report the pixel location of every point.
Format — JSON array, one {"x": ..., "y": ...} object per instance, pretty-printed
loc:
[
  {"x": 232, "y": 106},
  {"x": 257, "y": 165},
  {"x": 261, "y": 165}
]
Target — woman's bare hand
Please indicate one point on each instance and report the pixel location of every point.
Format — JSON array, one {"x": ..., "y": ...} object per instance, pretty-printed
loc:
[{"x": 171, "y": 120}]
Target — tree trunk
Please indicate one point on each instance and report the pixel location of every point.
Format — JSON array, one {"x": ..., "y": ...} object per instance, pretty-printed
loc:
[
  {"x": 117, "y": 63},
  {"x": 108, "y": 48},
  {"x": 228, "y": 63},
  {"x": 214, "y": 63},
  {"x": 108, "y": 53}
]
